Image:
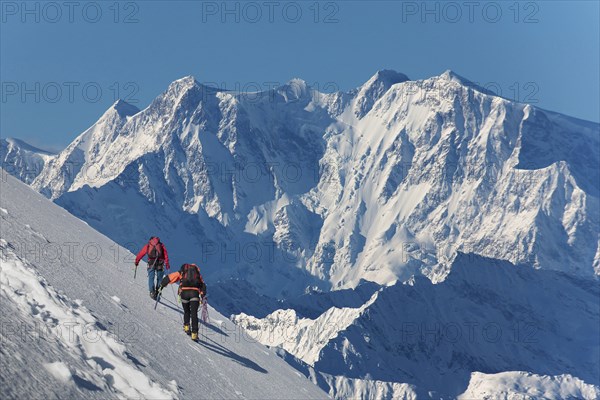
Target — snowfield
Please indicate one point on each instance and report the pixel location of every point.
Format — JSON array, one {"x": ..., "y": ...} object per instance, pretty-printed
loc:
[
  {"x": 95, "y": 359},
  {"x": 64, "y": 335}
]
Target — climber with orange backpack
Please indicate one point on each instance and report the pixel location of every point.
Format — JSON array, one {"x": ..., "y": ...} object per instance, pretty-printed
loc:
[
  {"x": 158, "y": 259},
  {"x": 192, "y": 290}
]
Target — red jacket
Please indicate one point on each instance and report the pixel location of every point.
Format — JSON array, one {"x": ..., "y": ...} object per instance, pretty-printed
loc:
[{"x": 155, "y": 242}]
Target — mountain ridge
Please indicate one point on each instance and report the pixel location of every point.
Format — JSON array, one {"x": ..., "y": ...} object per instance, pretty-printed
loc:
[
  {"x": 428, "y": 155},
  {"x": 436, "y": 338}
]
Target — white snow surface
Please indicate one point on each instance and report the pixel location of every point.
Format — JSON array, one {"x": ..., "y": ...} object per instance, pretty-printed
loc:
[
  {"x": 76, "y": 331},
  {"x": 518, "y": 385},
  {"x": 60, "y": 371},
  {"x": 64, "y": 335}
]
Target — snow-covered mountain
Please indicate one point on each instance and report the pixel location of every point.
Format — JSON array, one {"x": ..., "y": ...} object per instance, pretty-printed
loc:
[
  {"x": 78, "y": 162},
  {"x": 291, "y": 188},
  {"x": 75, "y": 324},
  {"x": 22, "y": 160},
  {"x": 331, "y": 221},
  {"x": 486, "y": 317}
]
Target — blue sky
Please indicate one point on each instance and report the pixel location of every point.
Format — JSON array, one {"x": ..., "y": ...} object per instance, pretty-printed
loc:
[{"x": 63, "y": 64}]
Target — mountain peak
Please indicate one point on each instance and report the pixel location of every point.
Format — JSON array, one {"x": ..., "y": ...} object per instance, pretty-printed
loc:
[
  {"x": 182, "y": 85},
  {"x": 188, "y": 80},
  {"x": 186, "y": 84},
  {"x": 124, "y": 109},
  {"x": 301, "y": 83},
  {"x": 389, "y": 76},
  {"x": 451, "y": 76},
  {"x": 375, "y": 88},
  {"x": 294, "y": 89}
]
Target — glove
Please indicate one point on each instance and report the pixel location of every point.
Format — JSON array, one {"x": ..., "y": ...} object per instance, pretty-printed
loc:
[
  {"x": 163, "y": 284},
  {"x": 136, "y": 263}
]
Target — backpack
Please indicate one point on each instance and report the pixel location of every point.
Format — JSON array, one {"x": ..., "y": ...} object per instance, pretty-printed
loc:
[
  {"x": 155, "y": 249},
  {"x": 190, "y": 276}
]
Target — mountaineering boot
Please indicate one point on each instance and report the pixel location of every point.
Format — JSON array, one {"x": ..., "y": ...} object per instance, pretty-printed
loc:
[
  {"x": 195, "y": 336},
  {"x": 186, "y": 329},
  {"x": 153, "y": 295}
]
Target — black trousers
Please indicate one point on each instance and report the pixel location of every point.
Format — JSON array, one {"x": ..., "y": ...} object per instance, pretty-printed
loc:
[{"x": 191, "y": 302}]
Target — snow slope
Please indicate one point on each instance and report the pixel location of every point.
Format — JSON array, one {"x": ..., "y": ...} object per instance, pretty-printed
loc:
[
  {"x": 22, "y": 160},
  {"x": 86, "y": 361},
  {"x": 76, "y": 324},
  {"x": 290, "y": 188}
]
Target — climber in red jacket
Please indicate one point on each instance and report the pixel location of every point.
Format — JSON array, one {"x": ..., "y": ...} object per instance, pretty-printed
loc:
[{"x": 158, "y": 259}]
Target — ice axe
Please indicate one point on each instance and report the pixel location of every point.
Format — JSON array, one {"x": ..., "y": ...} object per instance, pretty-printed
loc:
[{"x": 158, "y": 293}]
